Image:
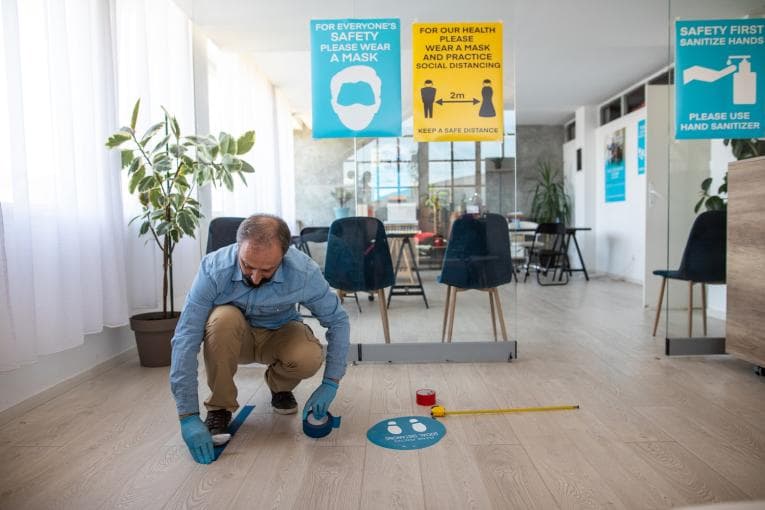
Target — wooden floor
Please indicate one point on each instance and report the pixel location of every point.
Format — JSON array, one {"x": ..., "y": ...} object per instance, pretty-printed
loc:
[{"x": 652, "y": 432}]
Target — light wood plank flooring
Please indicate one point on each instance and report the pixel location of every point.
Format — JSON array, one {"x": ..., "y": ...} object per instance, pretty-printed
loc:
[{"x": 652, "y": 432}]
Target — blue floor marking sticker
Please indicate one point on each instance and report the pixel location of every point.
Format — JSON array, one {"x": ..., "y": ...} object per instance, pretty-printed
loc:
[
  {"x": 233, "y": 427},
  {"x": 407, "y": 432}
]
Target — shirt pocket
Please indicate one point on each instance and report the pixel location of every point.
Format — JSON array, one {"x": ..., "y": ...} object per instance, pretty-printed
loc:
[{"x": 262, "y": 310}]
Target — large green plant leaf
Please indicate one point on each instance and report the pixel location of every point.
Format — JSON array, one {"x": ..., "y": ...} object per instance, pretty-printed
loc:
[
  {"x": 136, "y": 178},
  {"x": 126, "y": 157},
  {"x": 117, "y": 139},
  {"x": 134, "y": 117},
  {"x": 245, "y": 142},
  {"x": 227, "y": 144},
  {"x": 150, "y": 133}
]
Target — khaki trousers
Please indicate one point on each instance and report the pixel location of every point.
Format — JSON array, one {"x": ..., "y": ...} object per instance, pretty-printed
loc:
[{"x": 291, "y": 352}]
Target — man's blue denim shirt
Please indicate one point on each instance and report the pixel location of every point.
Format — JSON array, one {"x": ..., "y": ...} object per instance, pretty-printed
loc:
[{"x": 219, "y": 281}]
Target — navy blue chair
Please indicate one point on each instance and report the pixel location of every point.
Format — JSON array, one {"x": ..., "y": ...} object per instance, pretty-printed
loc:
[
  {"x": 477, "y": 257},
  {"x": 315, "y": 235},
  {"x": 548, "y": 253},
  {"x": 222, "y": 232},
  {"x": 703, "y": 262},
  {"x": 358, "y": 259}
]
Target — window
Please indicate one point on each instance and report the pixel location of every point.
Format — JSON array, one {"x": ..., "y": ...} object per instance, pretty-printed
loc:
[{"x": 387, "y": 170}]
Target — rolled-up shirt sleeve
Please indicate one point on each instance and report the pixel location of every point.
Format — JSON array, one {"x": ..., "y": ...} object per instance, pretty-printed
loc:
[
  {"x": 189, "y": 333},
  {"x": 326, "y": 307}
]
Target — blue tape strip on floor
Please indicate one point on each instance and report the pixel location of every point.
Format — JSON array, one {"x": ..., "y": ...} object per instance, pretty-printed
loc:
[{"x": 233, "y": 427}]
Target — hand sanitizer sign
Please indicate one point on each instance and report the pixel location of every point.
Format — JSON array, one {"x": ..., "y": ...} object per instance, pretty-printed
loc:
[{"x": 720, "y": 79}]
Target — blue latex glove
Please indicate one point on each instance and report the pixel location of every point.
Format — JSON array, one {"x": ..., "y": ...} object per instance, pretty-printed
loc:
[
  {"x": 198, "y": 439},
  {"x": 320, "y": 400}
]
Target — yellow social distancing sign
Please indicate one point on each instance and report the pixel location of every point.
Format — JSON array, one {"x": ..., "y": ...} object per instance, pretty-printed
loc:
[{"x": 457, "y": 79}]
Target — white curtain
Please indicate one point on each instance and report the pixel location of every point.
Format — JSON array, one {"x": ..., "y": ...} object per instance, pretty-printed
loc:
[
  {"x": 241, "y": 99},
  {"x": 154, "y": 62},
  {"x": 61, "y": 256}
]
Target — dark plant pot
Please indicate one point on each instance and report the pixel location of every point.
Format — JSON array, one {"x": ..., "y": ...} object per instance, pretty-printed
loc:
[{"x": 152, "y": 337}]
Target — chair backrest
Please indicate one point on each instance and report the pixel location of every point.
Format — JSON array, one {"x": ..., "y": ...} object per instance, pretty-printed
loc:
[
  {"x": 222, "y": 232},
  {"x": 358, "y": 257},
  {"x": 313, "y": 235},
  {"x": 478, "y": 253},
  {"x": 704, "y": 255}
]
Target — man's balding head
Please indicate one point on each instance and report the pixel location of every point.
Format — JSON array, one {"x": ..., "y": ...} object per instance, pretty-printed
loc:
[{"x": 263, "y": 230}]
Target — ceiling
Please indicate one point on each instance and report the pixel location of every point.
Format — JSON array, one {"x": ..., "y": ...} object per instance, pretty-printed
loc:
[{"x": 559, "y": 54}]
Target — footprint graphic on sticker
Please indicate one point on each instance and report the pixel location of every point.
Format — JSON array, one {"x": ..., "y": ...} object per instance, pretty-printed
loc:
[
  {"x": 417, "y": 426},
  {"x": 393, "y": 428}
]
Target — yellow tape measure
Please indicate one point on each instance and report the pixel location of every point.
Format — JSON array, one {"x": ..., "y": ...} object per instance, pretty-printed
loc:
[{"x": 440, "y": 411}]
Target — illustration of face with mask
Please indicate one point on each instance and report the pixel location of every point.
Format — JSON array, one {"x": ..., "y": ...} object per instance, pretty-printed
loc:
[{"x": 356, "y": 116}]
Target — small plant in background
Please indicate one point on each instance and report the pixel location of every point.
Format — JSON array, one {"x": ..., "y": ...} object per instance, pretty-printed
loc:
[
  {"x": 342, "y": 195},
  {"x": 550, "y": 203},
  {"x": 436, "y": 199},
  {"x": 717, "y": 202}
]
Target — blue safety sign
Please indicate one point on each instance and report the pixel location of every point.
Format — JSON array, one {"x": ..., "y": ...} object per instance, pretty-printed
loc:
[
  {"x": 615, "y": 184},
  {"x": 356, "y": 77},
  {"x": 720, "y": 78},
  {"x": 641, "y": 147}
]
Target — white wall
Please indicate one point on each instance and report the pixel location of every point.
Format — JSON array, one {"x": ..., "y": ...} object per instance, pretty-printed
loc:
[
  {"x": 619, "y": 226},
  {"x": 569, "y": 175},
  {"x": 584, "y": 183},
  {"x": 29, "y": 380},
  {"x": 581, "y": 184},
  {"x": 658, "y": 101}
]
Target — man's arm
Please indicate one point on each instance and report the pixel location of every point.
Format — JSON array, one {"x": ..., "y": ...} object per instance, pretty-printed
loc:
[
  {"x": 188, "y": 337},
  {"x": 325, "y": 306}
]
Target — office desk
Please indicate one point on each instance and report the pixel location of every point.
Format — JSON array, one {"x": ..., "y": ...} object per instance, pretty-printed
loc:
[{"x": 570, "y": 234}]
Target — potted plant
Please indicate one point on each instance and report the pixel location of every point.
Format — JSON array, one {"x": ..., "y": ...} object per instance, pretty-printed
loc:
[
  {"x": 551, "y": 203},
  {"x": 163, "y": 170},
  {"x": 713, "y": 202},
  {"x": 436, "y": 199},
  {"x": 343, "y": 196},
  {"x": 743, "y": 148}
]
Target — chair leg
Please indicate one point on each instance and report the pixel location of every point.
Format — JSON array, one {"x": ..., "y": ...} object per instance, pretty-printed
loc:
[
  {"x": 356, "y": 297},
  {"x": 704, "y": 307},
  {"x": 493, "y": 319},
  {"x": 446, "y": 313},
  {"x": 690, "y": 309},
  {"x": 500, "y": 315},
  {"x": 383, "y": 314},
  {"x": 452, "y": 306},
  {"x": 658, "y": 307}
]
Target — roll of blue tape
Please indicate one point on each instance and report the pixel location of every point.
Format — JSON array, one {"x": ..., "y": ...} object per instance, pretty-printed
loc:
[{"x": 321, "y": 430}]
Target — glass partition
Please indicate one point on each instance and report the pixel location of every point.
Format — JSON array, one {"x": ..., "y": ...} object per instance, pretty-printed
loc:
[
  {"x": 695, "y": 299},
  {"x": 417, "y": 190}
]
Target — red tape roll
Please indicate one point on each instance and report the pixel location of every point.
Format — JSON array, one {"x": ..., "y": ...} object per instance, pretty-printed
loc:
[{"x": 426, "y": 397}]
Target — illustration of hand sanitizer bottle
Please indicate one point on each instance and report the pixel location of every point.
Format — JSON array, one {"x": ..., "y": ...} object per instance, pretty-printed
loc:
[{"x": 744, "y": 82}]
